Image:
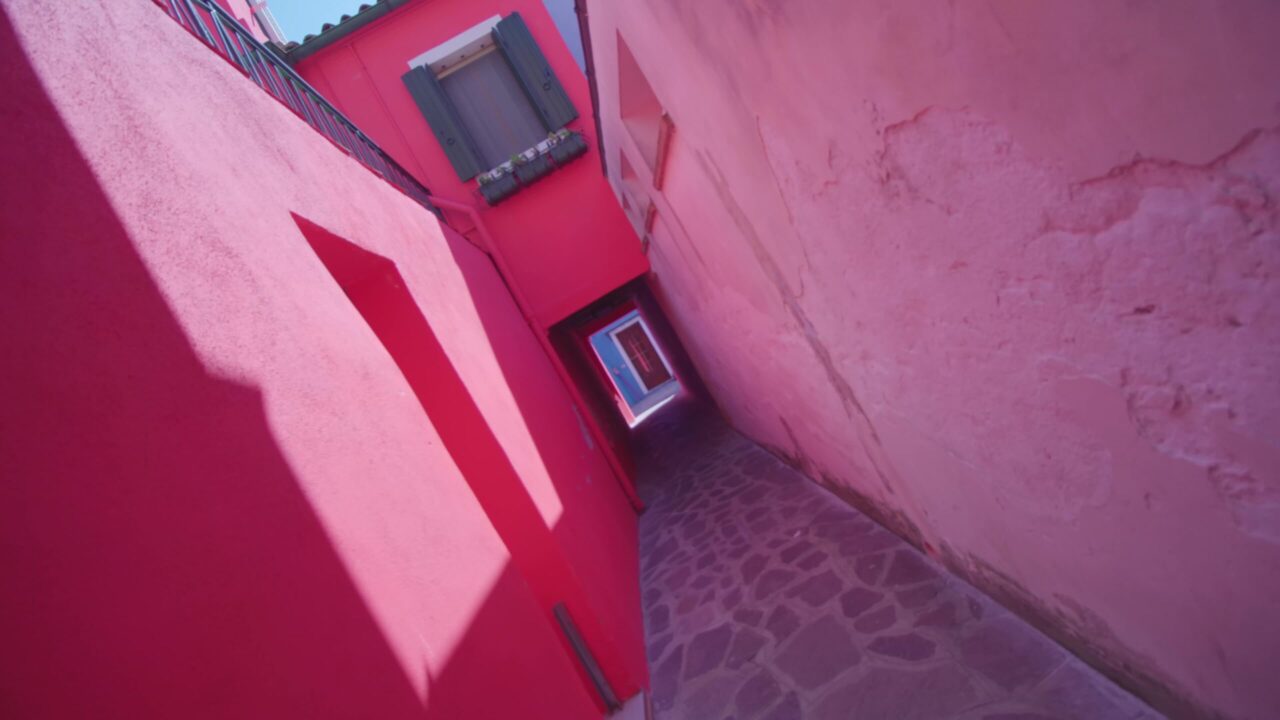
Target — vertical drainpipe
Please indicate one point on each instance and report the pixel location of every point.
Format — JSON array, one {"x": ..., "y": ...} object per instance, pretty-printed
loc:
[{"x": 584, "y": 29}]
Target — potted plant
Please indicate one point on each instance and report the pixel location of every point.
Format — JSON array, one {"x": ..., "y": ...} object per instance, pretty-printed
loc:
[
  {"x": 568, "y": 145},
  {"x": 530, "y": 169},
  {"x": 497, "y": 185}
]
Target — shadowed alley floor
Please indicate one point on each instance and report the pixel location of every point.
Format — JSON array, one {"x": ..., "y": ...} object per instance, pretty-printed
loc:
[{"x": 767, "y": 597}]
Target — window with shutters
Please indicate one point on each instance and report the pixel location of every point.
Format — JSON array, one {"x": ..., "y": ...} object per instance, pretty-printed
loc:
[
  {"x": 493, "y": 108},
  {"x": 489, "y": 94}
]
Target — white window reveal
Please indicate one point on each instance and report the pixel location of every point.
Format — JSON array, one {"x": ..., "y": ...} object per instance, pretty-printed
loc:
[{"x": 459, "y": 48}]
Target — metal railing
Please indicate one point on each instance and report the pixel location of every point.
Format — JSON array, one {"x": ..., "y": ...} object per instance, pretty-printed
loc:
[{"x": 224, "y": 34}]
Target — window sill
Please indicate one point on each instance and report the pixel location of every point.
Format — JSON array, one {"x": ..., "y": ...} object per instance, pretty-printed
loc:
[{"x": 508, "y": 179}]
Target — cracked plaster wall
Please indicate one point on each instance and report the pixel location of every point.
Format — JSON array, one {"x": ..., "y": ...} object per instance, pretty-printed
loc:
[{"x": 1004, "y": 274}]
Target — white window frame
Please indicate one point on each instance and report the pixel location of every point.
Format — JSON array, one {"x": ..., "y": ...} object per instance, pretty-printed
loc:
[
  {"x": 613, "y": 335},
  {"x": 458, "y": 50}
]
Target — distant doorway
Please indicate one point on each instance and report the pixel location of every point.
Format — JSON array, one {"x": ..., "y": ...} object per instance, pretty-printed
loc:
[
  {"x": 635, "y": 364},
  {"x": 641, "y": 354}
]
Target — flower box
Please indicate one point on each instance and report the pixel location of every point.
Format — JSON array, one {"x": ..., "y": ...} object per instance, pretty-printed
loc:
[
  {"x": 497, "y": 189},
  {"x": 531, "y": 170},
  {"x": 569, "y": 147}
]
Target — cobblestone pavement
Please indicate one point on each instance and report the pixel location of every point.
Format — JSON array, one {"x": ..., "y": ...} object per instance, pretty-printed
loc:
[{"x": 766, "y": 597}]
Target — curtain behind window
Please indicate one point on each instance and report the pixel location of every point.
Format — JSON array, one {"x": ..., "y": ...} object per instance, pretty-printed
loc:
[{"x": 494, "y": 108}]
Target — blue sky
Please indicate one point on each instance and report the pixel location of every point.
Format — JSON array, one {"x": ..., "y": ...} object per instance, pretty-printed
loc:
[{"x": 299, "y": 18}]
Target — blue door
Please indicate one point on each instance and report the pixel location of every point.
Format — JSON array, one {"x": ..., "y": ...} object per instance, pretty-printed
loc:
[
  {"x": 611, "y": 357},
  {"x": 634, "y": 363}
]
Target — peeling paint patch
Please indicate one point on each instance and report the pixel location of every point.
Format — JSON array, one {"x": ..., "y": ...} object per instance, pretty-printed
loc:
[{"x": 1254, "y": 503}]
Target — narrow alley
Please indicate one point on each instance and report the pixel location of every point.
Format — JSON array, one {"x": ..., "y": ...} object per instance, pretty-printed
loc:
[
  {"x": 639, "y": 360},
  {"x": 767, "y": 597}
]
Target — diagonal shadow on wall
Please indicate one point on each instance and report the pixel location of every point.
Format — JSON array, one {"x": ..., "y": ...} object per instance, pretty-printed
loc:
[
  {"x": 160, "y": 557},
  {"x": 506, "y": 641}
]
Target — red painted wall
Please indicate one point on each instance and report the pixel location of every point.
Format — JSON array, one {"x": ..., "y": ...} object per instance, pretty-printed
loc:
[
  {"x": 551, "y": 537},
  {"x": 565, "y": 239},
  {"x": 1005, "y": 271},
  {"x": 221, "y": 495}
]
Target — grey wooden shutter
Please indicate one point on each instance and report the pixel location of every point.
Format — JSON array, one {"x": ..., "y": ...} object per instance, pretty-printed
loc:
[
  {"x": 444, "y": 121},
  {"x": 534, "y": 72}
]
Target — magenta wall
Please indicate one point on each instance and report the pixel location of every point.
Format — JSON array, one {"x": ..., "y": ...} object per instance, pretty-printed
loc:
[
  {"x": 565, "y": 239},
  {"x": 1005, "y": 272},
  {"x": 221, "y": 495}
]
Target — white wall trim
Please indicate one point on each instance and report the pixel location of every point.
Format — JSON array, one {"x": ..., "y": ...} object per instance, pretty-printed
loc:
[{"x": 458, "y": 49}]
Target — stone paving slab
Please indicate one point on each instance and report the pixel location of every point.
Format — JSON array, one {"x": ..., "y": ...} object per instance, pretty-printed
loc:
[{"x": 767, "y": 598}]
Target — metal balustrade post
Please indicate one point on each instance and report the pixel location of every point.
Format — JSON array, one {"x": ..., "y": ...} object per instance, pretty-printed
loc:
[
  {"x": 197, "y": 22},
  {"x": 269, "y": 72},
  {"x": 286, "y": 91},
  {"x": 225, "y": 39},
  {"x": 237, "y": 42}
]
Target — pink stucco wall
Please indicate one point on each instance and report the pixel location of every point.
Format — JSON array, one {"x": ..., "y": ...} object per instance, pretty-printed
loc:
[
  {"x": 1003, "y": 272},
  {"x": 221, "y": 497}
]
